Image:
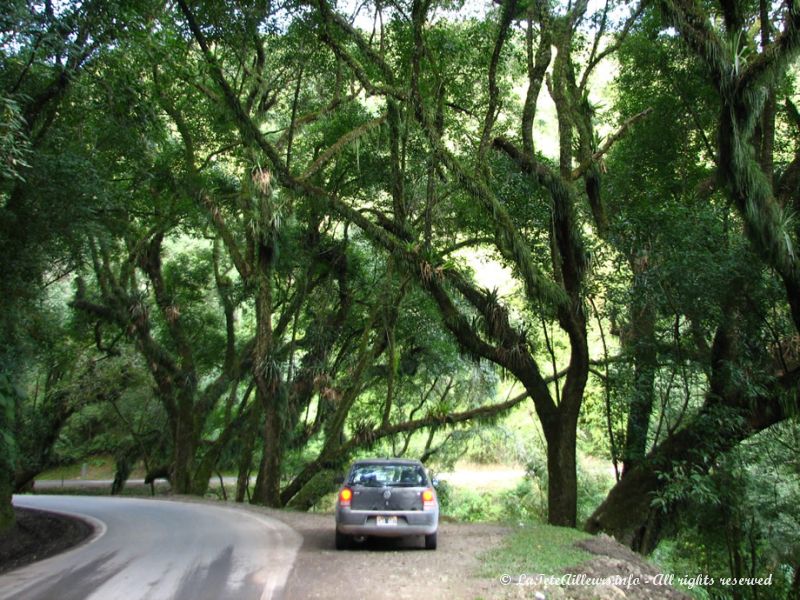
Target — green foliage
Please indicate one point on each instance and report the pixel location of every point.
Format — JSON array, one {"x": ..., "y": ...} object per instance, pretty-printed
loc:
[
  {"x": 14, "y": 145},
  {"x": 521, "y": 504},
  {"x": 505, "y": 445},
  {"x": 527, "y": 502},
  {"x": 471, "y": 506},
  {"x": 593, "y": 427},
  {"x": 736, "y": 521},
  {"x": 593, "y": 487}
]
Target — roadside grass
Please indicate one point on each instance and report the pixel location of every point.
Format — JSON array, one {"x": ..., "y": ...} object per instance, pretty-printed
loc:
[
  {"x": 535, "y": 548},
  {"x": 95, "y": 467}
]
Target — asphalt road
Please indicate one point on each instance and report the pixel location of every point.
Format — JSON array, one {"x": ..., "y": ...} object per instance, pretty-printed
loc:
[
  {"x": 43, "y": 485},
  {"x": 152, "y": 549}
]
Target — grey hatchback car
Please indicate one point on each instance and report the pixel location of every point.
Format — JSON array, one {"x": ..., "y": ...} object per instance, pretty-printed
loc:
[{"x": 387, "y": 497}]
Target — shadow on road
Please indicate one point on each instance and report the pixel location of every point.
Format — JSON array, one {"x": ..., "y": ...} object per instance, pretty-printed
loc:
[{"x": 78, "y": 583}]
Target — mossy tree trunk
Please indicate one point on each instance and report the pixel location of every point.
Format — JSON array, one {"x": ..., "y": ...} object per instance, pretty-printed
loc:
[
  {"x": 8, "y": 453},
  {"x": 640, "y": 341}
]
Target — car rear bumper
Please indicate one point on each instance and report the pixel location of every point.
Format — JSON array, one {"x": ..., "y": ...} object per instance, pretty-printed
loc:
[{"x": 364, "y": 522}]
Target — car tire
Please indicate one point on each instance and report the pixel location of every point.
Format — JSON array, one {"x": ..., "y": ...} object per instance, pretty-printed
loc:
[
  {"x": 342, "y": 541},
  {"x": 430, "y": 541}
]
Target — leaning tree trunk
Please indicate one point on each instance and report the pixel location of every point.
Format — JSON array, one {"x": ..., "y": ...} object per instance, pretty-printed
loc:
[{"x": 628, "y": 513}]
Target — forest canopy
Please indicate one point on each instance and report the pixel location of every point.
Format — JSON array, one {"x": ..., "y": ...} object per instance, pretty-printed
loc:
[{"x": 269, "y": 237}]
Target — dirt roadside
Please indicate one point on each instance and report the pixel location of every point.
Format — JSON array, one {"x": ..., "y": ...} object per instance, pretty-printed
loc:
[
  {"x": 36, "y": 535},
  {"x": 390, "y": 569},
  {"x": 403, "y": 569}
]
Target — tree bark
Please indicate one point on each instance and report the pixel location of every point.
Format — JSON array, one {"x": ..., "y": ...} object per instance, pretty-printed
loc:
[
  {"x": 268, "y": 483},
  {"x": 184, "y": 448},
  {"x": 562, "y": 482},
  {"x": 641, "y": 341},
  {"x": 6, "y": 508},
  {"x": 246, "y": 455}
]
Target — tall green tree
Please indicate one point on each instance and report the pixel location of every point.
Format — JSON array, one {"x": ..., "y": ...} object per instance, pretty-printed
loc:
[
  {"x": 46, "y": 184},
  {"x": 750, "y": 388},
  {"x": 419, "y": 87}
]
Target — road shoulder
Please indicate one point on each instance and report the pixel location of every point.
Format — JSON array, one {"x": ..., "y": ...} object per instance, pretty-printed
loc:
[{"x": 38, "y": 535}]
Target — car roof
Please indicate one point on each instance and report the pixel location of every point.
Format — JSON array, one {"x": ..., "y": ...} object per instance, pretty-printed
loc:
[{"x": 387, "y": 461}]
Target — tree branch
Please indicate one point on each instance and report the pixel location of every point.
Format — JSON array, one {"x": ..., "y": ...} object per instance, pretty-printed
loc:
[
  {"x": 578, "y": 172},
  {"x": 337, "y": 146}
]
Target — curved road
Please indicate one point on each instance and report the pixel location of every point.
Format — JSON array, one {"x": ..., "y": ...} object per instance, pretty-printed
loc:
[{"x": 151, "y": 549}]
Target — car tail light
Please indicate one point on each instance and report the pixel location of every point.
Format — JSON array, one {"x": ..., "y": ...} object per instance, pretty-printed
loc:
[
  {"x": 428, "y": 499},
  {"x": 345, "y": 495}
]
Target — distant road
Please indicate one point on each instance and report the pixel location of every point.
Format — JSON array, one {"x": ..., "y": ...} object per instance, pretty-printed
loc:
[
  {"x": 157, "y": 550},
  {"x": 52, "y": 484},
  {"x": 43, "y": 485}
]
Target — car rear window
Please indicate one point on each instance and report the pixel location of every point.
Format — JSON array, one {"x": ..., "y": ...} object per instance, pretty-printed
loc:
[{"x": 388, "y": 475}]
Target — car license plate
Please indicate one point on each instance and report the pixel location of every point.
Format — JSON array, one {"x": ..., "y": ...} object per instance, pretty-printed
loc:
[{"x": 386, "y": 521}]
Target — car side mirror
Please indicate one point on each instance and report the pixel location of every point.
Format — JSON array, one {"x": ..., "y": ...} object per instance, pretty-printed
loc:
[
  {"x": 338, "y": 480},
  {"x": 435, "y": 482}
]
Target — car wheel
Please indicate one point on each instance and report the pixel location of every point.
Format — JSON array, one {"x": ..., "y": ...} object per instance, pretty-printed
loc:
[
  {"x": 430, "y": 541},
  {"x": 342, "y": 541}
]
